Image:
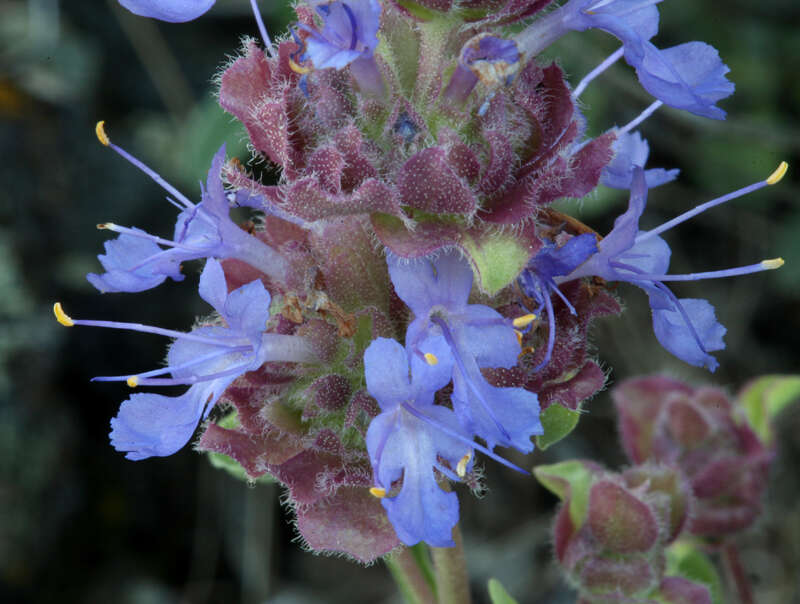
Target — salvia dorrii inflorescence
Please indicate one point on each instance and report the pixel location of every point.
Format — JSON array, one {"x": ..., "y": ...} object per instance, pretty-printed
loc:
[{"x": 408, "y": 299}]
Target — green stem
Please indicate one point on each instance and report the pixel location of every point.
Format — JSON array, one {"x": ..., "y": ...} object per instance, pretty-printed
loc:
[
  {"x": 452, "y": 581},
  {"x": 409, "y": 576}
]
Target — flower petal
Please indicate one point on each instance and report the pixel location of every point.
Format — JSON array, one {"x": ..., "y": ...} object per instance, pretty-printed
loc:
[
  {"x": 386, "y": 372},
  {"x": 150, "y": 425},
  {"x": 173, "y": 11}
]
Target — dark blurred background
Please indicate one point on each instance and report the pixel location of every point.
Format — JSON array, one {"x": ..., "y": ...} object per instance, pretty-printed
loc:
[{"x": 79, "y": 523}]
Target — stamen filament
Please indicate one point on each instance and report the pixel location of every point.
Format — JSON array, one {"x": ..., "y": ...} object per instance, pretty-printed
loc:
[
  {"x": 462, "y": 368},
  {"x": 101, "y": 134},
  {"x": 551, "y": 332},
  {"x": 650, "y": 110},
  {"x": 764, "y": 265},
  {"x": 194, "y": 379},
  {"x": 456, "y": 435},
  {"x": 172, "y": 368},
  {"x": 262, "y": 28},
  {"x": 773, "y": 178},
  {"x": 170, "y": 333},
  {"x": 608, "y": 62},
  {"x": 110, "y": 226}
]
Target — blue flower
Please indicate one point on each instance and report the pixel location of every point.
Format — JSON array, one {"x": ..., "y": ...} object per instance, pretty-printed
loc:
[
  {"x": 633, "y": 22},
  {"x": 685, "y": 327},
  {"x": 349, "y": 33},
  {"x": 471, "y": 336},
  {"x": 207, "y": 359},
  {"x": 411, "y": 438},
  {"x": 174, "y": 11},
  {"x": 631, "y": 150},
  {"x": 491, "y": 60},
  {"x": 135, "y": 261},
  {"x": 689, "y": 76},
  {"x": 538, "y": 279}
]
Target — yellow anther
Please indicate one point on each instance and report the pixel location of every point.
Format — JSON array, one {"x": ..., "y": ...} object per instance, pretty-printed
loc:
[
  {"x": 772, "y": 263},
  {"x": 778, "y": 174},
  {"x": 61, "y": 316},
  {"x": 298, "y": 68},
  {"x": 431, "y": 359},
  {"x": 133, "y": 381},
  {"x": 524, "y": 321},
  {"x": 519, "y": 337},
  {"x": 100, "y": 131},
  {"x": 378, "y": 492},
  {"x": 461, "y": 468},
  {"x": 106, "y": 226}
]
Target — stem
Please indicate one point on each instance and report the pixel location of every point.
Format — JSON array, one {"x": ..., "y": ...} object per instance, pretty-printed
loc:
[
  {"x": 412, "y": 583},
  {"x": 736, "y": 572},
  {"x": 452, "y": 580}
]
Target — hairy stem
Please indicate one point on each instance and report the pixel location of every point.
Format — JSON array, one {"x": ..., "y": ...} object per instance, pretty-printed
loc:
[
  {"x": 408, "y": 575},
  {"x": 452, "y": 581}
]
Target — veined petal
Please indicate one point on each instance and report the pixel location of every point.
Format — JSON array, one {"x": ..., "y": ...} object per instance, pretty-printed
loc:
[
  {"x": 676, "y": 336},
  {"x": 213, "y": 287},
  {"x": 153, "y": 425},
  {"x": 484, "y": 334},
  {"x": 689, "y": 76},
  {"x": 134, "y": 264},
  {"x": 445, "y": 280},
  {"x": 508, "y": 417},
  {"x": 386, "y": 373},
  {"x": 400, "y": 444},
  {"x": 247, "y": 308},
  {"x": 174, "y": 11}
]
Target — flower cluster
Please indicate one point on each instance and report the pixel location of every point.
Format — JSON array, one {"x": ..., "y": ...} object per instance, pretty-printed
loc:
[{"x": 408, "y": 297}]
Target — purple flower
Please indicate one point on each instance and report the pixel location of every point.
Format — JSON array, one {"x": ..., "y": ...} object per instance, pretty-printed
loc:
[
  {"x": 174, "y": 11},
  {"x": 470, "y": 336},
  {"x": 685, "y": 327},
  {"x": 538, "y": 279},
  {"x": 491, "y": 60},
  {"x": 349, "y": 33},
  {"x": 632, "y": 151},
  {"x": 633, "y": 22},
  {"x": 207, "y": 359},
  {"x": 410, "y": 439},
  {"x": 135, "y": 261},
  {"x": 689, "y": 76}
]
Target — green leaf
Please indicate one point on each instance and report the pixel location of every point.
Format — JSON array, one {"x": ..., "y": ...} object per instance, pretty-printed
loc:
[
  {"x": 498, "y": 593},
  {"x": 558, "y": 422},
  {"x": 764, "y": 398},
  {"x": 569, "y": 480},
  {"x": 498, "y": 258},
  {"x": 684, "y": 560}
]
